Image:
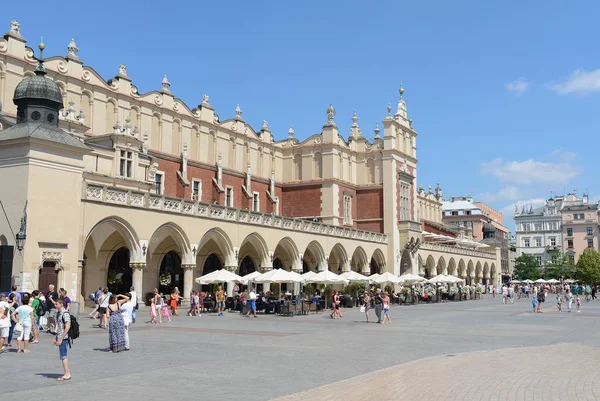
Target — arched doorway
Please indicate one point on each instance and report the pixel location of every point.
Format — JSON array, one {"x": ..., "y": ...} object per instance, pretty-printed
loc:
[
  {"x": 212, "y": 263},
  {"x": 374, "y": 267},
  {"x": 405, "y": 262},
  {"x": 119, "y": 277},
  {"x": 277, "y": 264},
  {"x": 48, "y": 275},
  {"x": 170, "y": 273},
  {"x": 247, "y": 266}
]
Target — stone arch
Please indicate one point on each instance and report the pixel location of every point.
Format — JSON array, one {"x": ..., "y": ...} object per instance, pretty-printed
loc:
[
  {"x": 377, "y": 263},
  {"x": 370, "y": 171},
  {"x": 86, "y": 106},
  {"x": 318, "y": 167},
  {"x": 286, "y": 252},
  {"x": 462, "y": 271},
  {"x": 313, "y": 258},
  {"x": 110, "y": 115},
  {"x": 452, "y": 267},
  {"x": 441, "y": 266},
  {"x": 486, "y": 271},
  {"x": 430, "y": 269},
  {"x": 255, "y": 247},
  {"x": 167, "y": 239},
  {"x": 297, "y": 167},
  {"x": 359, "y": 261},
  {"x": 478, "y": 272},
  {"x": 156, "y": 131},
  {"x": 470, "y": 272},
  {"x": 105, "y": 239},
  {"x": 176, "y": 142},
  {"x": 493, "y": 273},
  {"x": 215, "y": 242},
  {"x": 337, "y": 261},
  {"x": 405, "y": 262},
  {"x": 421, "y": 266}
]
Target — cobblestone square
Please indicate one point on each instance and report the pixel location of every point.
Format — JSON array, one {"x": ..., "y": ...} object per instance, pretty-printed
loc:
[{"x": 456, "y": 351}]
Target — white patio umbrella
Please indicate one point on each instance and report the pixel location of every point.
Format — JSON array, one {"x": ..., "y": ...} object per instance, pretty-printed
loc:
[
  {"x": 308, "y": 275},
  {"x": 354, "y": 276},
  {"x": 553, "y": 281},
  {"x": 327, "y": 277},
  {"x": 373, "y": 277},
  {"x": 440, "y": 278},
  {"x": 277, "y": 276},
  {"x": 528, "y": 281},
  {"x": 251, "y": 276},
  {"x": 220, "y": 276},
  {"x": 454, "y": 279},
  {"x": 540, "y": 281},
  {"x": 515, "y": 282},
  {"x": 385, "y": 278},
  {"x": 411, "y": 279},
  {"x": 569, "y": 281}
]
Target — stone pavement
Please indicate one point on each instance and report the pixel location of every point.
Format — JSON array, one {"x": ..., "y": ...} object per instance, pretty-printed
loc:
[{"x": 232, "y": 358}]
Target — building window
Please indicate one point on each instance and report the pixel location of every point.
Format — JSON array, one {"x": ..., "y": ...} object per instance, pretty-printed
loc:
[
  {"x": 538, "y": 227},
  {"x": 454, "y": 213},
  {"x": 126, "y": 165},
  {"x": 575, "y": 217},
  {"x": 581, "y": 216},
  {"x": 347, "y": 209},
  {"x": 590, "y": 231},
  {"x": 570, "y": 244},
  {"x": 590, "y": 242},
  {"x": 405, "y": 196},
  {"x": 467, "y": 212},
  {"x": 526, "y": 227},
  {"x": 526, "y": 242},
  {"x": 538, "y": 242},
  {"x": 196, "y": 190},
  {"x": 539, "y": 260},
  {"x": 159, "y": 182},
  {"x": 229, "y": 197},
  {"x": 553, "y": 241},
  {"x": 255, "y": 202},
  {"x": 569, "y": 232}
]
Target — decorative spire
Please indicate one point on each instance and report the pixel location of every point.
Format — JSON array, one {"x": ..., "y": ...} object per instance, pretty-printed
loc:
[
  {"x": 15, "y": 31},
  {"x": 165, "y": 85},
  {"x": 354, "y": 120},
  {"x": 205, "y": 98},
  {"x": 410, "y": 122},
  {"x": 122, "y": 72},
  {"x": 73, "y": 50},
  {"x": 401, "y": 105},
  {"x": 265, "y": 126},
  {"x": 377, "y": 131},
  {"x": 40, "y": 70},
  {"x": 330, "y": 116},
  {"x": 238, "y": 112},
  {"x": 389, "y": 109},
  {"x": 291, "y": 133}
]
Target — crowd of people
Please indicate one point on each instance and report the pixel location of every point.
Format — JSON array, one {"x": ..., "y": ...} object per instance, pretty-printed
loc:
[{"x": 539, "y": 293}]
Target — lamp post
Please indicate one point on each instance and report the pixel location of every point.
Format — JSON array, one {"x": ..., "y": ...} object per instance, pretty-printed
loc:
[{"x": 21, "y": 237}]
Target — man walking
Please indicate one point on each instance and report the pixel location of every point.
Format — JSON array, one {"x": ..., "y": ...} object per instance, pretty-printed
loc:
[
  {"x": 134, "y": 302},
  {"x": 378, "y": 304},
  {"x": 51, "y": 297},
  {"x": 63, "y": 320},
  {"x": 252, "y": 301},
  {"x": 17, "y": 296},
  {"x": 220, "y": 297}
]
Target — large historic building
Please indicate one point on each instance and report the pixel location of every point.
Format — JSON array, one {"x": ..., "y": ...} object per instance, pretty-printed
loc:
[{"x": 103, "y": 184}]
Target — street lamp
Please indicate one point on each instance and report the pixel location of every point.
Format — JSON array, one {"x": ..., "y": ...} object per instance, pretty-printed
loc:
[{"x": 21, "y": 237}]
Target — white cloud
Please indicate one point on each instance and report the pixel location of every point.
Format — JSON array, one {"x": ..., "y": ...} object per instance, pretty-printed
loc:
[
  {"x": 518, "y": 86},
  {"x": 530, "y": 171},
  {"x": 505, "y": 194},
  {"x": 563, "y": 155},
  {"x": 579, "y": 82}
]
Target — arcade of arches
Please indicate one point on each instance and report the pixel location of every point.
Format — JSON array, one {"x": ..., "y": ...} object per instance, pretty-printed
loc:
[{"x": 115, "y": 257}]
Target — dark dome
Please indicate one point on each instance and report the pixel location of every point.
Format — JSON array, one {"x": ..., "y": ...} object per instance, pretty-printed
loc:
[
  {"x": 488, "y": 228},
  {"x": 38, "y": 87}
]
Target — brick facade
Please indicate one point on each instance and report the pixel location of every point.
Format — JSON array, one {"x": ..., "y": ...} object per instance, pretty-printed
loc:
[
  {"x": 301, "y": 201},
  {"x": 369, "y": 205}
]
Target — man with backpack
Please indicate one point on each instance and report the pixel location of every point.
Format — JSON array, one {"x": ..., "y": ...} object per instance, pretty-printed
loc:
[
  {"x": 39, "y": 310},
  {"x": 63, "y": 323}
]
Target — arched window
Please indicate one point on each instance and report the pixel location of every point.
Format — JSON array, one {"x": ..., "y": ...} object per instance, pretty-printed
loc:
[
  {"x": 111, "y": 117},
  {"x": 134, "y": 116},
  {"x": 298, "y": 167},
  {"x": 231, "y": 156},
  {"x": 176, "y": 138},
  {"x": 194, "y": 139},
  {"x": 86, "y": 107},
  {"x": 155, "y": 133},
  {"x": 318, "y": 165}
]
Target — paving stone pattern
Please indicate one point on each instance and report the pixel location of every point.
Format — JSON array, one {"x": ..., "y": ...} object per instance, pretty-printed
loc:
[{"x": 314, "y": 357}]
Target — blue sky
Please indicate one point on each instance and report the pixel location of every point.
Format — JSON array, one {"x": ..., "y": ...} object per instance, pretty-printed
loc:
[{"x": 504, "y": 95}]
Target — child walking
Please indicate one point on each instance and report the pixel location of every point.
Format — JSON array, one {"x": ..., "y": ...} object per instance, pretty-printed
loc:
[
  {"x": 534, "y": 303},
  {"x": 153, "y": 311},
  {"x": 578, "y": 304},
  {"x": 165, "y": 312},
  {"x": 386, "y": 309},
  {"x": 559, "y": 302}
]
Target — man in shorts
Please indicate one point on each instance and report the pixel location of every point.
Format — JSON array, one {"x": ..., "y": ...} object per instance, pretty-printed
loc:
[
  {"x": 51, "y": 297},
  {"x": 220, "y": 297},
  {"x": 252, "y": 302},
  {"x": 4, "y": 322},
  {"x": 63, "y": 320},
  {"x": 35, "y": 304}
]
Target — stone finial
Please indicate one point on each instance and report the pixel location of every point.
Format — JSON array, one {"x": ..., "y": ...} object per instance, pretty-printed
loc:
[
  {"x": 205, "y": 98},
  {"x": 117, "y": 128},
  {"x": 165, "y": 85},
  {"x": 265, "y": 126},
  {"x": 389, "y": 109},
  {"x": 238, "y": 112},
  {"x": 291, "y": 132},
  {"x": 185, "y": 147},
  {"x": 15, "y": 31},
  {"x": 81, "y": 117},
  {"x": 377, "y": 131},
  {"x": 73, "y": 50},
  {"x": 438, "y": 191},
  {"x": 219, "y": 159},
  {"x": 122, "y": 72},
  {"x": 354, "y": 120},
  {"x": 330, "y": 116},
  {"x": 136, "y": 132},
  {"x": 430, "y": 190}
]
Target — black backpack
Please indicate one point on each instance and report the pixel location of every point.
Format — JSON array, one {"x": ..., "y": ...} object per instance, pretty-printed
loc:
[
  {"x": 74, "y": 329},
  {"x": 41, "y": 309}
]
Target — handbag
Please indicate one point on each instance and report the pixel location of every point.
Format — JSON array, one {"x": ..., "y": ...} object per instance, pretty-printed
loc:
[
  {"x": 362, "y": 308},
  {"x": 18, "y": 329}
]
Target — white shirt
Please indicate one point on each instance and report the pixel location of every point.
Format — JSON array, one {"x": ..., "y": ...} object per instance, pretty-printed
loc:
[
  {"x": 133, "y": 297},
  {"x": 127, "y": 312},
  {"x": 252, "y": 296}
]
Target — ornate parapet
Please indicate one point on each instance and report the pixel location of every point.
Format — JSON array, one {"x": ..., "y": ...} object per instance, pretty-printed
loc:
[
  {"x": 116, "y": 196},
  {"x": 457, "y": 250}
]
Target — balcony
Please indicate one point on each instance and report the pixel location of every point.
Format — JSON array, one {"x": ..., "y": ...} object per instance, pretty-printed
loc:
[{"x": 148, "y": 201}]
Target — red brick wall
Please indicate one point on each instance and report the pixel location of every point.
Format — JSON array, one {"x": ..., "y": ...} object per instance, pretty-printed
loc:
[
  {"x": 342, "y": 191},
  {"x": 301, "y": 201},
  {"x": 369, "y": 205},
  {"x": 239, "y": 199},
  {"x": 209, "y": 191},
  {"x": 173, "y": 186}
]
